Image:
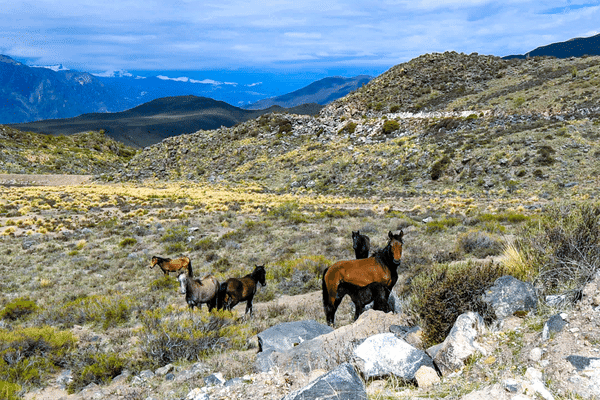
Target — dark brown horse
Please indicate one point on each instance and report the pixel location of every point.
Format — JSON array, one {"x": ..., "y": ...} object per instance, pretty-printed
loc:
[
  {"x": 235, "y": 290},
  {"x": 199, "y": 291},
  {"x": 361, "y": 245},
  {"x": 368, "y": 278},
  {"x": 167, "y": 265}
]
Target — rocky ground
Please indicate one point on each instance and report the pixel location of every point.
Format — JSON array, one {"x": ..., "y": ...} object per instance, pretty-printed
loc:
[{"x": 514, "y": 355}]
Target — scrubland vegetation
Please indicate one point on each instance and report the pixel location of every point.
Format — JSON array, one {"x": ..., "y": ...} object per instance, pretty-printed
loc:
[{"x": 509, "y": 188}]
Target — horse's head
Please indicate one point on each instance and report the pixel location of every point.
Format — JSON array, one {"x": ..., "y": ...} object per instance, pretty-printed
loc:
[
  {"x": 395, "y": 245},
  {"x": 355, "y": 239},
  {"x": 154, "y": 261},
  {"x": 182, "y": 278},
  {"x": 260, "y": 275}
]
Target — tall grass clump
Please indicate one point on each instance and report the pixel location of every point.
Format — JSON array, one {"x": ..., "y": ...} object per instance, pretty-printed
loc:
[
  {"x": 29, "y": 355},
  {"x": 563, "y": 247},
  {"x": 166, "y": 340},
  {"x": 443, "y": 292}
]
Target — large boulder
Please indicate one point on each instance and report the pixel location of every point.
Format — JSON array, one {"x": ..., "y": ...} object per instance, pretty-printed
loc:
[
  {"x": 285, "y": 336},
  {"x": 385, "y": 354},
  {"x": 343, "y": 383},
  {"x": 331, "y": 349},
  {"x": 460, "y": 343},
  {"x": 509, "y": 295}
]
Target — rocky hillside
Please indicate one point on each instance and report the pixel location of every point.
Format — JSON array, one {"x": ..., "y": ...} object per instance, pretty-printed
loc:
[
  {"x": 88, "y": 153},
  {"x": 447, "y": 122}
]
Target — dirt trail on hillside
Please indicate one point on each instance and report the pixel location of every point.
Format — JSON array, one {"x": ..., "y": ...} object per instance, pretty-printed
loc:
[{"x": 43, "y": 180}]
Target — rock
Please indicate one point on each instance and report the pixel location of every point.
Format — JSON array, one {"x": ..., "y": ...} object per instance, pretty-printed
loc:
[
  {"x": 536, "y": 386},
  {"x": 426, "y": 377},
  {"x": 535, "y": 354},
  {"x": 164, "y": 370},
  {"x": 460, "y": 343},
  {"x": 495, "y": 392},
  {"x": 285, "y": 336},
  {"x": 555, "y": 324},
  {"x": 214, "y": 379},
  {"x": 385, "y": 354},
  {"x": 587, "y": 382},
  {"x": 197, "y": 394},
  {"x": 412, "y": 335},
  {"x": 509, "y": 295},
  {"x": 343, "y": 383},
  {"x": 332, "y": 349}
]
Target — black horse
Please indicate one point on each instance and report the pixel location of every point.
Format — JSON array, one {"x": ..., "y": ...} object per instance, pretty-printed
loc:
[
  {"x": 361, "y": 244},
  {"x": 235, "y": 290}
]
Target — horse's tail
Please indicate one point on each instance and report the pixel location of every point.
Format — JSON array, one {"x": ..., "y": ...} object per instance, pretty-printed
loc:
[
  {"x": 221, "y": 291},
  {"x": 324, "y": 287}
]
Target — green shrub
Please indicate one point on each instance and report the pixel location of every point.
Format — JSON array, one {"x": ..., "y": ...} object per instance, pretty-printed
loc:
[
  {"x": 127, "y": 242},
  {"x": 395, "y": 108},
  {"x": 27, "y": 355},
  {"x": 163, "y": 284},
  {"x": 563, "y": 245},
  {"x": 478, "y": 243},
  {"x": 10, "y": 391},
  {"x": 204, "y": 244},
  {"x": 442, "y": 293},
  {"x": 390, "y": 126},
  {"x": 175, "y": 234},
  {"x": 350, "y": 127},
  {"x": 166, "y": 341},
  {"x": 18, "y": 309},
  {"x": 95, "y": 367},
  {"x": 438, "y": 168}
]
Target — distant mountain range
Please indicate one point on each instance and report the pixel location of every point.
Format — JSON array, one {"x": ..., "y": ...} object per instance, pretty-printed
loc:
[
  {"x": 158, "y": 119},
  {"x": 577, "y": 47},
  {"x": 322, "y": 92},
  {"x": 38, "y": 93}
]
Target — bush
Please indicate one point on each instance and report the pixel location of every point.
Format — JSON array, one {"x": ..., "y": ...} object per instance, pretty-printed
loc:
[
  {"x": 438, "y": 168},
  {"x": 95, "y": 367},
  {"x": 166, "y": 341},
  {"x": 176, "y": 234},
  {"x": 9, "y": 391},
  {"x": 478, "y": 243},
  {"x": 350, "y": 127},
  {"x": 28, "y": 354},
  {"x": 564, "y": 247},
  {"x": 164, "y": 283},
  {"x": 390, "y": 126},
  {"x": 127, "y": 242},
  {"x": 18, "y": 308},
  {"x": 439, "y": 295}
]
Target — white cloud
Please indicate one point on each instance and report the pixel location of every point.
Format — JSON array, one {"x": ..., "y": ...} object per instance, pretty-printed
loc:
[{"x": 187, "y": 35}]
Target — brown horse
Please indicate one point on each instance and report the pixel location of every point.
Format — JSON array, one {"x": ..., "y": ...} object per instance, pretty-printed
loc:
[
  {"x": 368, "y": 278},
  {"x": 199, "y": 291},
  {"x": 167, "y": 265},
  {"x": 235, "y": 290}
]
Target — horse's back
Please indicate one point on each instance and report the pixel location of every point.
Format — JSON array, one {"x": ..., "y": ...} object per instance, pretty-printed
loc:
[{"x": 359, "y": 272}]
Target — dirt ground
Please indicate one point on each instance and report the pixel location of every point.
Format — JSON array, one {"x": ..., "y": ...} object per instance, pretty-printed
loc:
[{"x": 43, "y": 180}]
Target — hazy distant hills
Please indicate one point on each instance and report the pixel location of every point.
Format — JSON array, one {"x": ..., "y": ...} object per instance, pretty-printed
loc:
[
  {"x": 577, "y": 47},
  {"x": 32, "y": 93},
  {"x": 321, "y": 92},
  {"x": 28, "y": 94},
  {"x": 158, "y": 119}
]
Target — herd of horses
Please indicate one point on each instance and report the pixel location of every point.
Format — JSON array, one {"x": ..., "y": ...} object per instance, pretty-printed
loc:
[{"x": 367, "y": 279}]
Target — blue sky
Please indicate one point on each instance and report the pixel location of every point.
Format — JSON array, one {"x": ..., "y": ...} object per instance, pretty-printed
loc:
[{"x": 316, "y": 38}]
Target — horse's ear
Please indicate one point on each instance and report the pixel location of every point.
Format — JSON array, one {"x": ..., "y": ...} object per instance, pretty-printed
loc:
[
  {"x": 401, "y": 234},
  {"x": 390, "y": 234}
]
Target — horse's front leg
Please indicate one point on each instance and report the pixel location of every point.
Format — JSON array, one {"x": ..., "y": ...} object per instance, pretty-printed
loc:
[{"x": 249, "y": 306}]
